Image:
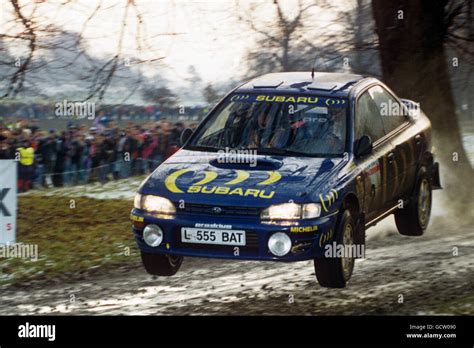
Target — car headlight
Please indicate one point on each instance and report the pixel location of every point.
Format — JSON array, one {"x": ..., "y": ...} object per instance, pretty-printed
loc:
[
  {"x": 154, "y": 204},
  {"x": 311, "y": 211},
  {"x": 137, "y": 201},
  {"x": 291, "y": 211}
]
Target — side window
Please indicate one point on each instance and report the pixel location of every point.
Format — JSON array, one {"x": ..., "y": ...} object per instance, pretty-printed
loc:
[
  {"x": 392, "y": 112},
  {"x": 367, "y": 119},
  {"x": 217, "y": 125}
]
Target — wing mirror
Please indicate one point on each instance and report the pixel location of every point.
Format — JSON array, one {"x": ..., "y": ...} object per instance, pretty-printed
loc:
[
  {"x": 185, "y": 134},
  {"x": 363, "y": 146}
]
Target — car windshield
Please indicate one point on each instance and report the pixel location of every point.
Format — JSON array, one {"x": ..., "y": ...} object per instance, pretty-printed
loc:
[{"x": 276, "y": 124}]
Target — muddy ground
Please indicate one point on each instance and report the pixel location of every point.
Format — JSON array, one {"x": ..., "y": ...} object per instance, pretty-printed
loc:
[{"x": 400, "y": 275}]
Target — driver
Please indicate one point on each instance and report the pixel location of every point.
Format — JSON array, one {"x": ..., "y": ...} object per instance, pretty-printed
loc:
[
  {"x": 320, "y": 133},
  {"x": 331, "y": 137},
  {"x": 255, "y": 135}
]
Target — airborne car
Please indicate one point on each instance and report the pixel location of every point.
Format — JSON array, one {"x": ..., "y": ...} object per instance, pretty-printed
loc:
[{"x": 286, "y": 167}]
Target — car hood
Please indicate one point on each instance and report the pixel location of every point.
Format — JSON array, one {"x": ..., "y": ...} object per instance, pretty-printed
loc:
[{"x": 214, "y": 179}]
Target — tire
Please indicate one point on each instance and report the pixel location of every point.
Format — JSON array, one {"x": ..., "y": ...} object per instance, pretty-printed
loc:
[
  {"x": 413, "y": 219},
  {"x": 336, "y": 272},
  {"x": 160, "y": 264}
]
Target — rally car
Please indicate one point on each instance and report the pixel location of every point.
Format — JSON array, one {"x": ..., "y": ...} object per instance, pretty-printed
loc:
[{"x": 290, "y": 167}]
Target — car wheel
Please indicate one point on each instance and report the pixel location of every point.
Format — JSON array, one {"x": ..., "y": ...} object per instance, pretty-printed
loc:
[
  {"x": 335, "y": 272},
  {"x": 160, "y": 264},
  {"x": 412, "y": 219}
]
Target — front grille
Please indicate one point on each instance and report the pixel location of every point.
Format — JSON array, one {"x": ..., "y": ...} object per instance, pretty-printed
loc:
[
  {"x": 251, "y": 243},
  {"x": 194, "y": 208}
]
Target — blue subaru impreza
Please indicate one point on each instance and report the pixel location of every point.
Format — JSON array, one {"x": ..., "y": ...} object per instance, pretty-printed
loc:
[{"x": 290, "y": 167}]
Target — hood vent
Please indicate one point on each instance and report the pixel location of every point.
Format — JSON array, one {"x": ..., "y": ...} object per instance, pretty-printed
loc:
[{"x": 246, "y": 163}]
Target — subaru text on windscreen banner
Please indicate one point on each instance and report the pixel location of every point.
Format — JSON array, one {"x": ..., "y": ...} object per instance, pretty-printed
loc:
[{"x": 8, "y": 172}]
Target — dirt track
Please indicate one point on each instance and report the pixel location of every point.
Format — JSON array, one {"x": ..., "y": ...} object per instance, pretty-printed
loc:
[{"x": 421, "y": 269}]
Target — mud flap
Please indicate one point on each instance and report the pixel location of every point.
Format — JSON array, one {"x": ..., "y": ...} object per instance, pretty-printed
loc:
[
  {"x": 359, "y": 237},
  {"x": 434, "y": 174}
]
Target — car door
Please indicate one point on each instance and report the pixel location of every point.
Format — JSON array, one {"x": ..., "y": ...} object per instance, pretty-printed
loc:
[
  {"x": 406, "y": 144},
  {"x": 377, "y": 174}
]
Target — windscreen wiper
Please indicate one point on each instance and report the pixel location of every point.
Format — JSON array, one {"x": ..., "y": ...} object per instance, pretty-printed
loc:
[
  {"x": 281, "y": 152},
  {"x": 202, "y": 148}
]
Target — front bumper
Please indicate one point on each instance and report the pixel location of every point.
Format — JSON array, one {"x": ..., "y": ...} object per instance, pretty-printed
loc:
[{"x": 308, "y": 236}]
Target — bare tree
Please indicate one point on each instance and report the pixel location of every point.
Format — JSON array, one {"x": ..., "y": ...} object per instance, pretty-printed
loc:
[
  {"x": 293, "y": 43},
  {"x": 53, "y": 53},
  {"x": 160, "y": 95},
  {"x": 276, "y": 44},
  {"x": 211, "y": 94},
  {"x": 412, "y": 37},
  {"x": 360, "y": 38}
]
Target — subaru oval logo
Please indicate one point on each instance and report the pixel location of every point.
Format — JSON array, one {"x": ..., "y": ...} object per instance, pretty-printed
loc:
[{"x": 217, "y": 210}]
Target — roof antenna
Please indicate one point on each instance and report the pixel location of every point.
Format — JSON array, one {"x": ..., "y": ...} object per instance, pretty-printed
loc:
[
  {"x": 312, "y": 68},
  {"x": 315, "y": 60}
]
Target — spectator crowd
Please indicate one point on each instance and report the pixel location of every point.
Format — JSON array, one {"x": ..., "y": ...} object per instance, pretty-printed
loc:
[
  {"x": 43, "y": 111},
  {"x": 82, "y": 154}
]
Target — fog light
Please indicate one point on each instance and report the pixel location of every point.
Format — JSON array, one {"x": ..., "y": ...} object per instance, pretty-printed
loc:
[
  {"x": 153, "y": 235},
  {"x": 279, "y": 244}
]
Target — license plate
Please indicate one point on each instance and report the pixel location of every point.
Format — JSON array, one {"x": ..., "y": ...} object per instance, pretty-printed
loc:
[{"x": 211, "y": 236}]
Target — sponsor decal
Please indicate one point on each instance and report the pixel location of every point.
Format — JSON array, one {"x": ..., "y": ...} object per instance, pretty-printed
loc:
[
  {"x": 303, "y": 229},
  {"x": 240, "y": 97},
  {"x": 218, "y": 226},
  {"x": 329, "y": 199},
  {"x": 286, "y": 99},
  {"x": 374, "y": 168},
  {"x": 326, "y": 237},
  {"x": 242, "y": 175},
  {"x": 300, "y": 99},
  {"x": 3, "y": 208},
  {"x": 373, "y": 173},
  {"x": 209, "y": 176},
  {"x": 8, "y": 201},
  {"x": 332, "y": 102},
  {"x": 136, "y": 218},
  {"x": 224, "y": 190}
]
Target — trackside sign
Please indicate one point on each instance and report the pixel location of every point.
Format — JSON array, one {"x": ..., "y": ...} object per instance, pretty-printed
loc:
[{"x": 8, "y": 177}]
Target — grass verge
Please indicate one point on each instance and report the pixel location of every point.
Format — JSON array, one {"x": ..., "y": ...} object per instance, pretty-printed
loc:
[{"x": 75, "y": 236}]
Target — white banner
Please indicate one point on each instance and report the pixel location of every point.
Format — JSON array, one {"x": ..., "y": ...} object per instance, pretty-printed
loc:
[{"x": 8, "y": 182}]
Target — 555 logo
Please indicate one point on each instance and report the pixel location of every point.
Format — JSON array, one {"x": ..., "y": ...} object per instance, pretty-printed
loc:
[{"x": 232, "y": 187}]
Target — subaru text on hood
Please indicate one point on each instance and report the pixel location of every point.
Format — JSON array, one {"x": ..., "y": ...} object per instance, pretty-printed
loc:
[{"x": 290, "y": 167}]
